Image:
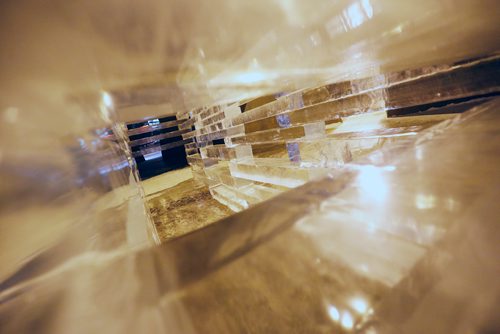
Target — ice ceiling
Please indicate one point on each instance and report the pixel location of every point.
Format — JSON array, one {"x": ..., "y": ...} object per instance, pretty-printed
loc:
[{"x": 206, "y": 52}]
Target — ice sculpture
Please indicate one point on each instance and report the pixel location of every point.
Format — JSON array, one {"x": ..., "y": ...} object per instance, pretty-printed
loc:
[
  {"x": 391, "y": 225},
  {"x": 307, "y": 134}
]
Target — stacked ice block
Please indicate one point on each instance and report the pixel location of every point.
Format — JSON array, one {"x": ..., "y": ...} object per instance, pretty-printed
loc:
[{"x": 248, "y": 155}]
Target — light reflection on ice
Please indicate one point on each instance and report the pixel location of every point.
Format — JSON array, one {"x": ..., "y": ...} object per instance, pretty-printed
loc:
[
  {"x": 359, "y": 304},
  {"x": 333, "y": 312},
  {"x": 372, "y": 184},
  {"x": 423, "y": 201},
  {"x": 347, "y": 320},
  {"x": 357, "y": 13}
]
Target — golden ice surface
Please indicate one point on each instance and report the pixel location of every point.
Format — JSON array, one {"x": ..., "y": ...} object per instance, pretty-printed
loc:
[{"x": 382, "y": 115}]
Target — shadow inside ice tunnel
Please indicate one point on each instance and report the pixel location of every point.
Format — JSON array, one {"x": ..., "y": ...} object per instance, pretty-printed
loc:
[{"x": 200, "y": 252}]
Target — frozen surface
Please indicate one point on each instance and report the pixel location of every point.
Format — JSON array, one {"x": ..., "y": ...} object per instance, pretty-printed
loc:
[
  {"x": 76, "y": 242},
  {"x": 404, "y": 242}
]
